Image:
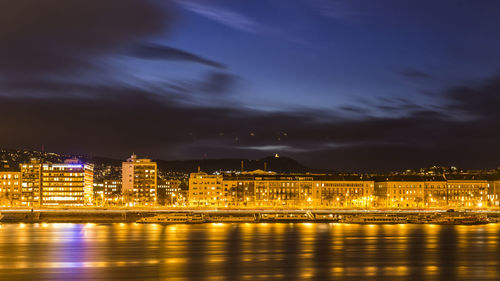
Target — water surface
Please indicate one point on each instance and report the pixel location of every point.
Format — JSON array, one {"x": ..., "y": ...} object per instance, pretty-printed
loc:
[{"x": 248, "y": 252}]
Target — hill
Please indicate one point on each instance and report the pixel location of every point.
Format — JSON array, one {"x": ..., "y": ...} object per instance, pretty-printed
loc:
[
  {"x": 276, "y": 164},
  {"x": 104, "y": 165}
]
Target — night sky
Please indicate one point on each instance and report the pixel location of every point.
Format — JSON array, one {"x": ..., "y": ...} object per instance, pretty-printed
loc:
[{"x": 342, "y": 84}]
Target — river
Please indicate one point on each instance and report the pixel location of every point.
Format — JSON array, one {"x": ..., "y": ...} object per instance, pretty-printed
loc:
[{"x": 249, "y": 252}]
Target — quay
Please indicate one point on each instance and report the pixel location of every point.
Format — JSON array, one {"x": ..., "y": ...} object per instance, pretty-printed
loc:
[{"x": 87, "y": 215}]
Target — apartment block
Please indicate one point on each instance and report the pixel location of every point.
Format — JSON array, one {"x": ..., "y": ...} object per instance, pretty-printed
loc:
[{"x": 139, "y": 181}]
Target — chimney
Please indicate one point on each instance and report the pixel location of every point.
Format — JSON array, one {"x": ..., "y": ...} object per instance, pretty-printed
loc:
[
  {"x": 199, "y": 169},
  {"x": 242, "y": 165},
  {"x": 265, "y": 166}
]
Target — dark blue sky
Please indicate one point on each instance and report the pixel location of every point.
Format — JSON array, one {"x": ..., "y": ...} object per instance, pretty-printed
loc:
[
  {"x": 324, "y": 54},
  {"x": 343, "y": 84}
]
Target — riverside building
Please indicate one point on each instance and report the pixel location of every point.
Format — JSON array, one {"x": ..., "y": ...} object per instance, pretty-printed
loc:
[
  {"x": 401, "y": 192},
  {"x": 343, "y": 191},
  {"x": 263, "y": 189},
  {"x": 493, "y": 193},
  {"x": 139, "y": 181},
  {"x": 436, "y": 193},
  {"x": 69, "y": 183},
  {"x": 266, "y": 189},
  {"x": 467, "y": 191},
  {"x": 108, "y": 192},
  {"x": 10, "y": 185},
  {"x": 206, "y": 190},
  {"x": 168, "y": 192},
  {"x": 31, "y": 174}
]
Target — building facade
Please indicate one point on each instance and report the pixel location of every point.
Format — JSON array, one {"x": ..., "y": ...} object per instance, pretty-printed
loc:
[
  {"x": 271, "y": 190},
  {"x": 401, "y": 194},
  {"x": 67, "y": 184},
  {"x": 344, "y": 192},
  {"x": 139, "y": 181},
  {"x": 467, "y": 193},
  {"x": 168, "y": 192},
  {"x": 493, "y": 193},
  {"x": 436, "y": 194},
  {"x": 31, "y": 174},
  {"x": 10, "y": 186},
  {"x": 108, "y": 192},
  {"x": 206, "y": 190},
  {"x": 262, "y": 189}
]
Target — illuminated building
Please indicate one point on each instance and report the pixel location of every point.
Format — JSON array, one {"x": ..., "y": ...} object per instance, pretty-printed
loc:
[
  {"x": 401, "y": 193},
  {"x": 447, "y": 191},
  {"x": 436, "y": 193},
  {"x": 31, "y": 174},
  {"x": 343, "y": 192},
  {"x": 108, "y": 191},
  {"x": 69, "y": 183},
  {"x": 139, "y": 181},
  {"x": 271, "y": 190},
  {"x": 493, "y": 193},
  {"x": 168, "y": 192},
  {"x": 467, "y": 191},
  {"x": 206, "y": 190},
  {"x": 266, "y": 189},
  {"x": 10, "y": 186},
  {"x": 239, "y": 191}
]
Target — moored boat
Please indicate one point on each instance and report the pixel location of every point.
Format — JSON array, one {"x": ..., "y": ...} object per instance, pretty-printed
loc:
[
  {"x": 374, "y": 219},
  {"x": 285, "y": 217},
  {"x": 231, "y": 218},
  {"x": 174, "y": 218}
]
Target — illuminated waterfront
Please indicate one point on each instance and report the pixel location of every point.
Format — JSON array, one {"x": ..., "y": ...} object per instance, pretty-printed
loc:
[{"x": 249, "y": 252}]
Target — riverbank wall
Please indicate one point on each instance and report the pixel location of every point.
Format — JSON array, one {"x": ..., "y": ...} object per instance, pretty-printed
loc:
[{"x": 131, "y": 215}]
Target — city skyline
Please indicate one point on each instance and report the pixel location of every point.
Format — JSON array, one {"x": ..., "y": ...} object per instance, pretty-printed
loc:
[
  {"x": 345, "y": 85},
  {"x": 249, "y": 140},
  {"x": 139, "y": 183}
]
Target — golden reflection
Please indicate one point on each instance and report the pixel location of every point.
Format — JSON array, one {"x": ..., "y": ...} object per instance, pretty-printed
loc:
[
  {"x": 431, "y": 268},
  {"x": 395, "y": 270},
  {"x": 175, "y": 260},
  {"x": 257, "y": 251},
  {"x": 84, "y": 264},
  {"x": 337, "y": 270},
  {"x": 305, "y": 245}
]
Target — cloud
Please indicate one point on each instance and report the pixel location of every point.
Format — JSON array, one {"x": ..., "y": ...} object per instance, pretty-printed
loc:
[
  {"x": 479, "y": 100},
  {"x": 222, "y": 16},
  {"x": 49, "y": 41},
  {"x": 217, "y": 82},
  {"x": 154, "y": 51},
  {"x": 115, "y": 121},
  {"x": 339, "y": 10},
  {"x": 71, "y": 48},
  {"x": 61, "y": 37},
  {"x": 413, "y": 73}
]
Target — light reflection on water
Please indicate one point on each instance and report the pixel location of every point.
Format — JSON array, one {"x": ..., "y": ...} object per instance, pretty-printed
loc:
[{"x": 249, "y": 252}]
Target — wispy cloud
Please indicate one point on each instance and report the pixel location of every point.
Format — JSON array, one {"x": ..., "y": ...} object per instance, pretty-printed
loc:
[
  {"x": 154, "y": 51},
  {"x": 340, "y": 10},
  {"x": 268, "y": 147},
  {"x": 414, "y": 73},
  {"x": 222, "y": 16}
]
